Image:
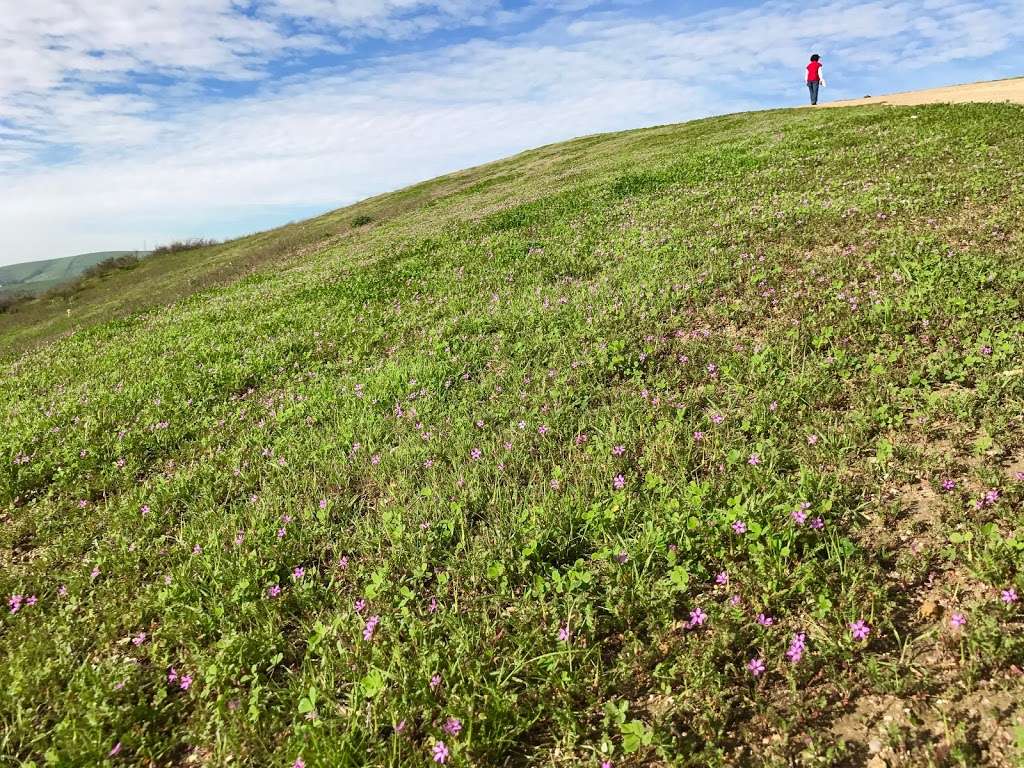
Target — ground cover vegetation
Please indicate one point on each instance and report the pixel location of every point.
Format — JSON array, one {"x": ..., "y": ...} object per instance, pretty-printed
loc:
[{"x": 697, "y": 445}]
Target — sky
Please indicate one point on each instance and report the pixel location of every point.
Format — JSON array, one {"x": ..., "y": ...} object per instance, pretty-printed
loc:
[{"x": 130, "y": 123}]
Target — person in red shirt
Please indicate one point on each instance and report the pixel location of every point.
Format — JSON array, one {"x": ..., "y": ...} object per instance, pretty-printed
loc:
[{"x": 814, "y": 78}]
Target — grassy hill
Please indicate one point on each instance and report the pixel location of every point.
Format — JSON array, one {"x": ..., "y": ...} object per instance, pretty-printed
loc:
[
  {"x": 696, "y": 445},
  {"x": 39, "y": 276}
]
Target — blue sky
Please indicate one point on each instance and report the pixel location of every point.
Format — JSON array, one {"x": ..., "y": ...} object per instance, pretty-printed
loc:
[{"x": 132, "y": 122}]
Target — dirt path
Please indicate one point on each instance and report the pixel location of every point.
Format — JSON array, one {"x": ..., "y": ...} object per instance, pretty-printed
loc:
[{"x": 997, "y": 90}]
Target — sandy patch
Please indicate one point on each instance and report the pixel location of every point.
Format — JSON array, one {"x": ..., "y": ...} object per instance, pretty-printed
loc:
[{"x": 995, "y": 91}]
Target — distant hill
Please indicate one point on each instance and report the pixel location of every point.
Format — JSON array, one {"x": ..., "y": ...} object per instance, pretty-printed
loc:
[{"x": 36, "y": 277}]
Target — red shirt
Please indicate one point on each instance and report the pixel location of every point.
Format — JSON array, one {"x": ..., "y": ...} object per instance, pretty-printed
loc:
[{"x": 812, "y": 72}]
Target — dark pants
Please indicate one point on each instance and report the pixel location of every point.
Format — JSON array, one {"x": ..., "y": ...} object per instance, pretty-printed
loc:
[{"x": 813, "y": 86}]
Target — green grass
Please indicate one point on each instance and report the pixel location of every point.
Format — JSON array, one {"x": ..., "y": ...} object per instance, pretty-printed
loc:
[{"x": 519, "y": 414}]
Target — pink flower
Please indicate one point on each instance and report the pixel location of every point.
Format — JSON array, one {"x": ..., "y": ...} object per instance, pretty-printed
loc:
[
  {"x": 370, "y": 628},
  {"x": 139, "y": 639},
  {"x": 812, "y": 439},
  {"x": 755, "y": 666},
  {"x": 475, "y": 454},
  {"x": 697, "y": 617},
  {"x": 453, "y": 726},
  {"x": 323, "y": 503},
  {"x": 144, "y": 509},
  {"x": 1009, "y": 596},
  {"x": 717, "y": 418},
  {"x": 754, "y": 460},
  {"x": 618, "y": 450},
  {"x": 299, "y": 763},
  {"x": 186, "y": 682},
  {"x": 765, "y": 621},
  {"x": 739, "y": 527},
  {"x": 360, "y": 605},
  {"x": 440, "y": 753},
  {"x": 435, "y": 681},
  {"x": 698, "y": 436},
  {"x": 797, "y": 646},
  {"x": 722, "y": 578},
  {"x": 563, "y": 633},
  {"x": 860, "y": 630},
  {"x": 735, "y": 600},
  {"x": 619, "y": 482},
  {"x": 817, "y": 523},
  {"x": 298, "y": 573},
  {"x": 957, "y": 620},
  {"x": 948, "y": 484},
  {"x": 622, "y": 557},
  {"x": 14, "y": 602},
  {"x": 115, "y": 751},
  {"x": 274, "y": 591},
  {"x": 542, "y": 429}
]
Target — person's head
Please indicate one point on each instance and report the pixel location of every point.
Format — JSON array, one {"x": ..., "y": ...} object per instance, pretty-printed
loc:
[{"x": 815, "y": 57}]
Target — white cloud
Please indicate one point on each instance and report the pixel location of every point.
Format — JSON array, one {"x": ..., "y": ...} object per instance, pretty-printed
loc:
[{"x": 159, "y": 160}]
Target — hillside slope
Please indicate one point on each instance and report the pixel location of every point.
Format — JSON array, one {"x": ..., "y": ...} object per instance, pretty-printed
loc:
[{"x": 697, "y": 445}]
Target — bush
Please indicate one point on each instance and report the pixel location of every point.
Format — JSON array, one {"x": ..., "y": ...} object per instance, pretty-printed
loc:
[
  {"x": 362, "y": 220},
  {"x": 110, "y": 265},
  {"x": 184, "y": 245},
  {"x": 8, "y": 301}
]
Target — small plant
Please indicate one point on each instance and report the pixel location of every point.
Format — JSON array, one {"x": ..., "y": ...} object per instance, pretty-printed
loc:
[{"x": 362, "y": 220}]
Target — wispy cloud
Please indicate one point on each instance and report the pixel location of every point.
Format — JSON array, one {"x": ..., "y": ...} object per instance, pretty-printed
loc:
[{"x": 147, "y": 121}]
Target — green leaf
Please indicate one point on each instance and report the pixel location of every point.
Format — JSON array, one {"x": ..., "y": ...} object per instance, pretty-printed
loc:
[
  {"x": 635, "y": 734},
  {"x": 373, "y": 684},
  {"x": 495, "y": 570}
]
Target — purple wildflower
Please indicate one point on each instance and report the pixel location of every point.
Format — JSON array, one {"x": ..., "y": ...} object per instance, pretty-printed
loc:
[
  {"x": 453, "y": 726},
  {"x": 797, "y": 646},
  {"x": 860, "y": 630},
  {"x": 755, "y": 666},
  {"x": 370, "y": 628},
  {"x": 440, "y": 753}
]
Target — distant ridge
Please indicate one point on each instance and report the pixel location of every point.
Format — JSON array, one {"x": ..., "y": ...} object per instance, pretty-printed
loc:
[{"x": 36, "y": 277}]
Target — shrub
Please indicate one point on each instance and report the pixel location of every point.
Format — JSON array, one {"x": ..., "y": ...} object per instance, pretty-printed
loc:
[
  {"x": 111, "y": 265},
  {"x": 184, "y": 245},
  {"x": 362, "y": 220},
  {"x": 8, "y": 301}
]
